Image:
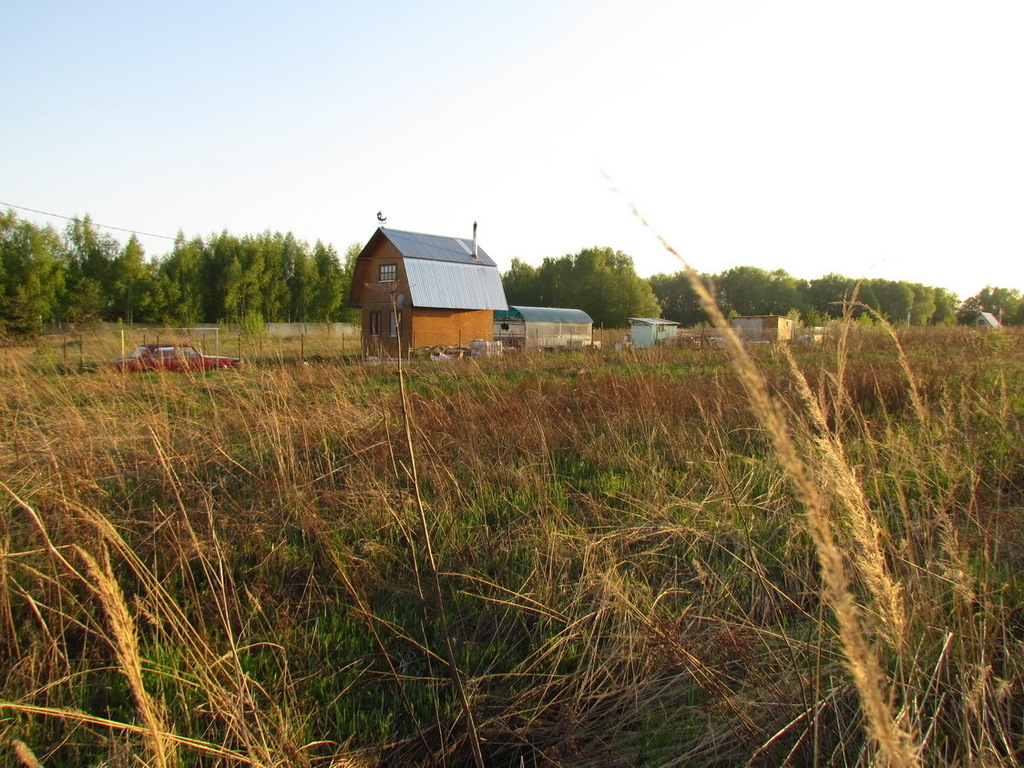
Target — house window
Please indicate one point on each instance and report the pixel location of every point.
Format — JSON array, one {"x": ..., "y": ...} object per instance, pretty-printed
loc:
[
  {"x": 375, "y": 323},
  {"x": 388, "y": 273},
  {"x": 396, "y": 323}
]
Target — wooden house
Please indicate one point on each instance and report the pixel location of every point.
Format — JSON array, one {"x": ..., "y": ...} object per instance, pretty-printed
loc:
[
  {"x": 424, "y": 291},
  {"x": 763, "y": 328}
]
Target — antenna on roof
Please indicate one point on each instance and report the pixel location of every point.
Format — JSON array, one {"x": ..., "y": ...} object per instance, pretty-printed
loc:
[
  {"x": 381, "y": 218},
  {"x": 476, "y": 255}
]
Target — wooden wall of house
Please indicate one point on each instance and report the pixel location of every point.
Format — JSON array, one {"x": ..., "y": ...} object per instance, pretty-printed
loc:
[
  {"x": 365, "y": 278},
  {"x": 764, "y": 328},
  {"x": 375, "y": 296},
  {"x": 424, "y": 328},
  {"x": 383, "y": 344},
  {"x": 450, "y": 327}
]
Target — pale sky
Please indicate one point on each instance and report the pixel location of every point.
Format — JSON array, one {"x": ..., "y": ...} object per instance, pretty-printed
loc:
[{"x": 872, "y": 139}]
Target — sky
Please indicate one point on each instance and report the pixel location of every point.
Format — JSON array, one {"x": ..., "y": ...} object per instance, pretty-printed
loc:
[{"x": 871, "y": 139}]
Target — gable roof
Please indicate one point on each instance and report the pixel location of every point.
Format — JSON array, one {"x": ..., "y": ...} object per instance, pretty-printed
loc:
[
  {"x": 414, "y": 245},
  {"x": 544, "y": 315},
  {"x": 442, "y": 272},
  {"x": 987, "y": 319}
]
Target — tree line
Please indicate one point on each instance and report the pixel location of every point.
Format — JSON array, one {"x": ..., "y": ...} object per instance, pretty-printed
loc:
[
  {"x": 84, "y": 275},
  {"x": 603, "y": 283},
  {"x": 754, "y": 291}
]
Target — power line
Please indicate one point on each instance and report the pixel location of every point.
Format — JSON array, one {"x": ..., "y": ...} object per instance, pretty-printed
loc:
[{"x": 95, "y": 223}]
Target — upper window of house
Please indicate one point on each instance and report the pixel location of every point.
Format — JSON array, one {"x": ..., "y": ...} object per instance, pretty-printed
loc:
[{"x": 388, "y": 273}]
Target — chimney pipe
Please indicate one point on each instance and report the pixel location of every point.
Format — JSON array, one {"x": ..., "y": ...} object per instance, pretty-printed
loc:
[{"x": 476, "y": 255}]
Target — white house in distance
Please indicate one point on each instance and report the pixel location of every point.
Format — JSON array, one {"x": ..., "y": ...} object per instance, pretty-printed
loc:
[{"x": 986, "y": 320}]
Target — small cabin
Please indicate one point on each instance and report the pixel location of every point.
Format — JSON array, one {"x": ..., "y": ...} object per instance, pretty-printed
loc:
[
  {"x": 424, "y": 291},
  {"x": 986, "y": 320},
  {"x": 763, "y": 328},
  {"x": 650, "y": 332},
  {"x": 543, "y": 328}
]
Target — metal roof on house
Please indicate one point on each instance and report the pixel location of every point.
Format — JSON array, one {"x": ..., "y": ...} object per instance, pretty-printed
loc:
[
  {"x": 453, "y": 285},
  {"x": 651, "y": 321},
  {"x": 544, "y": 315},
  {"x": 442, "y": 272},
  {"x": 414, "y": 245}
]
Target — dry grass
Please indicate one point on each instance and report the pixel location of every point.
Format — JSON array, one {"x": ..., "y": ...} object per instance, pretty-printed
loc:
[{"x": 233, "y": 569}]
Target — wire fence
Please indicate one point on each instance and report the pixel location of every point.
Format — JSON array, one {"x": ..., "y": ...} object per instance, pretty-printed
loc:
[{"x": 72, "y": 349}]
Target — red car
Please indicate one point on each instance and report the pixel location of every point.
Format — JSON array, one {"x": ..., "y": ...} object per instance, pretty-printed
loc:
[{"x": 172, "y": 357}]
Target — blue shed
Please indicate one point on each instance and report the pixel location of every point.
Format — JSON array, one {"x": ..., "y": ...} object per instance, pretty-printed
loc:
[{"x": 648, "y": 332}]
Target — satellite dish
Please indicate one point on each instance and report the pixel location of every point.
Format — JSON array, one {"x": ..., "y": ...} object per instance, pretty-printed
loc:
[{"x": 400, "y": 300}]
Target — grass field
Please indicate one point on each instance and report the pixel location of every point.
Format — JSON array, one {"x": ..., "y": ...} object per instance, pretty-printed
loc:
[{"x": 612, "y": 558}]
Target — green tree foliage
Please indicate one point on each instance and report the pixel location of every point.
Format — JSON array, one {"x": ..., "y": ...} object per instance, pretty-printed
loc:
[
  {"x": 753, "y": 291},
  {"x": 923, "y": 308},
  {"x": 827, "y": 297},
  {"x": 322, "y": 284},
  {"x": 179, "y": 288},
  {"x": 87, "y": 276},
  {"x": 677, "y": 298},
  {"x": 892, "y": 300},
  {"x": 334, "y": 281},
  {"x": 90, "y": 290},
  {"x": 130, "y": 283},
  {"x": 520, "y": 284},
  {"x": 32, "y": 274},
  {"x": 946, "y": 305},
  {"x": 236, "y": 282},
  {"x": 274, "y": 260},
  {"x": 600, "y": 281},
  {"x": 604, "y": 284},
  {"x": 300, "y": 280}
]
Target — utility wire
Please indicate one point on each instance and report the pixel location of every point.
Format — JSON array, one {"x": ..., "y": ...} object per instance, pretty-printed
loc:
[{"x": 95, "y": 223}]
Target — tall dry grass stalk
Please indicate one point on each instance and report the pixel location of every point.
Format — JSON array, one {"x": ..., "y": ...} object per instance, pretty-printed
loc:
[
  {"x": 25, "y": 755},
  {"x": 844, "y": 491},
  {"x": 896, "y": 747},
  {"x": 126, "y": 645}
]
